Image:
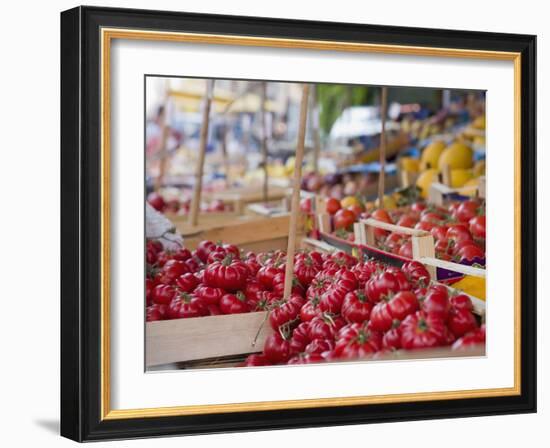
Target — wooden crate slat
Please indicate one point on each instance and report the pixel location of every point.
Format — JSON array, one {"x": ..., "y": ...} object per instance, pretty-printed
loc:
[{"x": 204, "y": 337}]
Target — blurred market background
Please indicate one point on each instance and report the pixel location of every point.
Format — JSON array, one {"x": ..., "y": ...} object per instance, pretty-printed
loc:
[{"x": 254, "y": 121}]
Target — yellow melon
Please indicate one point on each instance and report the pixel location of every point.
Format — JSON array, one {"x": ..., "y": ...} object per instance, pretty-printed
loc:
[
  {"x": 425, "y": 180},
  {"x": 460, "y": 177},
  {"x": 430, "y": 155},
  {"x": 457, "y": 156}
]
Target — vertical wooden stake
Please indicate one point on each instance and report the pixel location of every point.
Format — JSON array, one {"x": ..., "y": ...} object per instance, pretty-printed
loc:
[
  {"x": 264, "y": 141},
  {"x": 164, "y": 134},
  {"x": 382, "y": 175},
  {"x": 295, "y": 204},
  {"x": 316, "y": 126},
  {"x": 224, "y": 155},
  {"x": 195, "y": 204}
]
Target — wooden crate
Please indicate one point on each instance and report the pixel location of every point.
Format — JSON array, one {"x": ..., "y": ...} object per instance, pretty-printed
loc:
[
  {"x": 254, "y": 233},
  {"x": 422, "y": 248},
  {"x": 208, "y": 338},
  {"x": 201, "y": 338}
]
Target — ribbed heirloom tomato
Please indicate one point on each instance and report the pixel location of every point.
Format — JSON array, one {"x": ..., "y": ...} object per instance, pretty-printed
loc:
[
  {"x": 383, "y": 284},
  {"x": 416, "y": 273},
  {"x": 163, "y": 294},
  {"x": 461, "y": 321},
  {"x": 187, "y": 282},
  {"x": 422, "y": 330},
  {"x": 234, "y": 304},
  {"x": 186, "y": 305},
  {"x": 396, "y": 307},
  {"x": 288, "y": 310},
  {"x": 356, "y": 341},
  {"x": 356, "y": 307},
  {"x": 228, "y": 274},
  {"x": 310, "y": 309},
  {"x": 209, "y": 294},
  {"x": 277, "y": 348}
]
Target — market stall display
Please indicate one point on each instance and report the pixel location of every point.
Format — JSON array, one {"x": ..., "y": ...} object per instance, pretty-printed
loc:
[{"x": 320, "y": 275}]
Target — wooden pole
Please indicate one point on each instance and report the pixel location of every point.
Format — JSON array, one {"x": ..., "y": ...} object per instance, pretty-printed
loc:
[
  {"x": 164, "y": 134},
  {"x": 264, "y": 142},
  {"x": 316, "y": 126},
  {"x": 195, "y": 204},
  {"x": 224, "y": 154},
  {"x": 295, "y": 201},
  {"x": 382, "y": 175}
]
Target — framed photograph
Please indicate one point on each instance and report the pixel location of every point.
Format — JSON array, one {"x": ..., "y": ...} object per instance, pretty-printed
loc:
[{"x": 277, "y": 224}]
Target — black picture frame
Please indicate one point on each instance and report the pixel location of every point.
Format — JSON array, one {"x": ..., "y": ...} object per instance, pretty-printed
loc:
[{"x": 81, "y": 224}]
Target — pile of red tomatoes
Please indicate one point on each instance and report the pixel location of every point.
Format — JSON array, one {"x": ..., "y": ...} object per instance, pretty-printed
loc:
[
  {"x": 458, "y": 231},
  {"x": 339, "y": 309}
]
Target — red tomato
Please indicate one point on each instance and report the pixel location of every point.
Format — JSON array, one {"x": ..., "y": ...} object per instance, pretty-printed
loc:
[
  {"x": 300, "y": 338},
  {"x": 421, "y": 330},
  {"x": 324, "y": 327},
  {"x": 286, "y": 312},
  {"x": 392, "y": 338},
  {"x": 469, "y": 252},
  {"x": 416, "y": 273},
  {"x": 305, "y": 271},
  {"x": 254, "y": 360},
  {"x": 156, "y": 201},
  {"x": 434, "y": 218},
  {"x": 461, "y": 321},
  {"x": 182, "y": 254},
  {"x": 331, "y": 300},
  {"x": 149, "y": 286},
  {"x": 364, "y": 271},
  {"x": 384, "y": 216},
  {"x": 185, "y": 306},
  {"x": 407, "y": 221},
  {"x": 406, "y": 250},
  {"x": 423, "y": 225},
  {"x": 332, "y": 206},
  {"x": 477, "y": 226},
  {"x": 458, "y": 233},
  {"x": 356, "y": 307},
  {"x": 155, "y": 312},
  {"x": 203, "y": 249},
  {"x": 171, "y": 270},
  {"x": 252, "y": 288},
  {"x": 473, "y": 338},
  {"x": 397, "y": 308},
  {"x": 339, "y": 260},
  {"x": 234, "y": 304},
  {"x": 228, "y": 274},
  {"x": 310, "y": 310},
  {"x": 462, "y": 301},
  {"x": 163, "y": 294},
  {"x": 356, "y": 341},
  {"x": 439, "y": 232},
  {"x": 418, "y": 206},
  {"x": 320, "y": 347},
  {"x": 344, "y": 219},
  {"x": 437, "y": 303},
  {"x": 385, "y": 283},
  {"x": 466, "y": 211},
  {"x": 187, "y": 282},
  {"x": 266, "y": 274},
  {"x": 279, "y": 285},
  {"x": 276, "y": 348},
  {"x": 209, "y": 295}
]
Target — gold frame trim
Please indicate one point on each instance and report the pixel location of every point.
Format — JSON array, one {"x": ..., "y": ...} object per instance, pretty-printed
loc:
[{"x": 107, "y": 35}]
